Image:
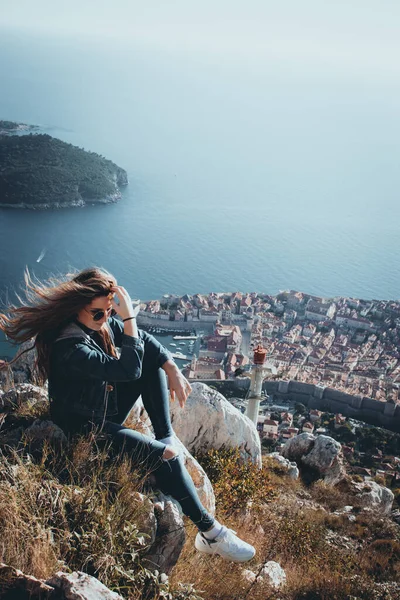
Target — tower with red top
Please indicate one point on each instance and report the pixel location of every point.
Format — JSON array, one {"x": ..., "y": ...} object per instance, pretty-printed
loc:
[
  {"x": 258, "y": 373},
  {"x": 260, "y": 354}
]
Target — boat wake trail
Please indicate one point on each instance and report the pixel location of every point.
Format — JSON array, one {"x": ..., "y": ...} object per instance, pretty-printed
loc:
[{"x": 41, "y": 255}]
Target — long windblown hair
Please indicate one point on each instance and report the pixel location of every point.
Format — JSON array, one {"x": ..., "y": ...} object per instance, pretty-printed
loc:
[{"x": 48, "y": 308}]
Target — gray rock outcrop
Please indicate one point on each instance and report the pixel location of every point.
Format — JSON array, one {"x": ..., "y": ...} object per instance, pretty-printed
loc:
[
  {"x": 22, "y": 393},
  {"x": 146, "y": 520},
  {"x": 372, "y": 495},
  {"x": 326, "y": 457},
  {"x": 169, "y": 539},
  {"x": 62, "y": 586},
  {"x": 289, "y": 466},
  {"x": 138, "y": 420},
  {"x": 15, "y": 584},
  {"x": 209, "y": 421},
  {"x": 299, "y": 446},
  {"x": 271, "y": 572},
  {"x": 321, "y": 454},
  {"x": 81, "y": 586}
]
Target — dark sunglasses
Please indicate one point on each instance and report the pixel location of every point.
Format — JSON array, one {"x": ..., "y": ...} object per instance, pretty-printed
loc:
[{"x": 99, "y": 314}]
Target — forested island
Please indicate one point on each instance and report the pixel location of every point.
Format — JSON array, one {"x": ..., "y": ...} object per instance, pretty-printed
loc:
[{"x": 39, "y": 171}]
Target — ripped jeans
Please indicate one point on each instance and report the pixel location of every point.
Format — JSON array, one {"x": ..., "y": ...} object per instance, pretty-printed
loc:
[{"x": 171, "y": 475}]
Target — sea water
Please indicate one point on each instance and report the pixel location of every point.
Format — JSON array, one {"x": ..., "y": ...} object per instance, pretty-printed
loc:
[{"x": 242, "y": 176}]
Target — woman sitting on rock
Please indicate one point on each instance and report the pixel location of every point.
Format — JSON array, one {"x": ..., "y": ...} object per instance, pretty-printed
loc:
[{"x": 92, "y": 385}]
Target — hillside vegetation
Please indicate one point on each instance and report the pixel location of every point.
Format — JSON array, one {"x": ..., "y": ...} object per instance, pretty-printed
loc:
[
  {"x": 77, "y": 509},
  {"x": 39, "y": 171}
]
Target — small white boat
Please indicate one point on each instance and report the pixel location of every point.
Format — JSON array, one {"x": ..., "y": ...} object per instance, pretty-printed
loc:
[
  {"x": 180, "y": 355},
  {"x": 41, "y": 255},
  {"x": 172, "y": 344}
]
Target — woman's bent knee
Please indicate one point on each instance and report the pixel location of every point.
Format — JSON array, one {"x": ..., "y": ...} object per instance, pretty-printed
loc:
[{"x": 169, "y": 453}]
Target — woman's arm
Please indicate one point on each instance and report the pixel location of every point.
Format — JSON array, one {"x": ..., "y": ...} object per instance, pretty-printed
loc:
[
  {"x": 178, "y": 384},
  {"x": 84, "y": 361},
  {"x": 156, "y": 353}
]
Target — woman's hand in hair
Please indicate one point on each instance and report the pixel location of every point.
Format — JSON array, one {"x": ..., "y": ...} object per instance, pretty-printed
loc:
[
  {"x": 124, "y": 309},
  {"x": 179, "y": 387}
]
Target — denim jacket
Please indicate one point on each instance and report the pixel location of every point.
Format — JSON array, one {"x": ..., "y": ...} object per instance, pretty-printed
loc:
[{"x": 81, "y": 374}]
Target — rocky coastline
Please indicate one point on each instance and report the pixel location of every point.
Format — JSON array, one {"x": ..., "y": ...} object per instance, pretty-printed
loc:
[
  {"x": 111, "y": 199},
  {"x": 12, "y": 128}
]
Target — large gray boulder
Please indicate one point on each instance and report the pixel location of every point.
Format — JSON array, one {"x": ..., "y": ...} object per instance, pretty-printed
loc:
[
  {"x": 209, "y": 421},
  {"x": 372, "y": 495},
  {"x": 80, "y": 586},
  {"x": 170, "y": 537},
  {"x": 298, "y": 446},
  {"x": 327, "y": 458},
  {"x": 322, "y": 454},
  {"x": 139, "y": 421}
]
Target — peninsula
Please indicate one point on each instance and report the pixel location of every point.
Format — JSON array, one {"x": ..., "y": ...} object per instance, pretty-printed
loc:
[{"x": 38, "y": 171}]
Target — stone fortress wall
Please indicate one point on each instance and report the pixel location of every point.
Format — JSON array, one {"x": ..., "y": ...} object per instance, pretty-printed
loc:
[
  {"x": 381, "y": 414},
  {"x": 324, "y": 398}
]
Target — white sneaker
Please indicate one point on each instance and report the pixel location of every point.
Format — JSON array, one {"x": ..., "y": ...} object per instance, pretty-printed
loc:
[{"x": 226, "y": 544}]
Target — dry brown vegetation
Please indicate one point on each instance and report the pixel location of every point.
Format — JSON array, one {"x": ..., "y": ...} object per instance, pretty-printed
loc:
[
  {"x": 79, "y": 509},
  {"x": 325, "y": 556}
]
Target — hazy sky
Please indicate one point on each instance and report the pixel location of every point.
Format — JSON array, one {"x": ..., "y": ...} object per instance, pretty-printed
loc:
[{"x": 346, "y": 34}]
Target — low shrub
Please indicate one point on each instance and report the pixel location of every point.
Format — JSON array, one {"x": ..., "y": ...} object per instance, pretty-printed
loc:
[
  {"x": 236, "y": 482},
  {"x": 330, "y": 497},
  {"x": 381, "y": 559}
]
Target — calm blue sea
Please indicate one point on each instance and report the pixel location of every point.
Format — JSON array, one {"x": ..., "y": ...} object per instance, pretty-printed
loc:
[{"x": 243, "y": 176}]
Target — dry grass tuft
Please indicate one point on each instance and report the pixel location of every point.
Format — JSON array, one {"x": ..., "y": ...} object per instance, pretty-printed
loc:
[
  {"x": 330, "y": 497},
  {"x": 381, "y": 559},
  {"x": 236, "y": 482},
  {"x": 81, "y": 510}
]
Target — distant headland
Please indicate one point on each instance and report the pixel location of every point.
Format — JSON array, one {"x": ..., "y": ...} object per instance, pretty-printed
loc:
[
  {"x": 38, "y": 171},
  {"x": 9, "y": 127}
]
